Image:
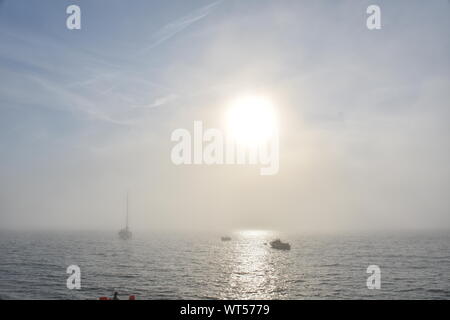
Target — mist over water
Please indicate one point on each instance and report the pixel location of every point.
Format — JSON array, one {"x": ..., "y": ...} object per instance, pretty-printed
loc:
[
  {"x": 361, "y": 119},
  {"x": 187, "y": 266},
  {"x": 86, "y": 116}
]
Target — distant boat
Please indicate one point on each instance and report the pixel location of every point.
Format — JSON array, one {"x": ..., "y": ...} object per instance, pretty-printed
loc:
[
  {"x": 131, "y": 297},
  {"x": 125, "y": 234},
  {"x": 225, "y": 238},
  {"x": 279, "y": 245}
]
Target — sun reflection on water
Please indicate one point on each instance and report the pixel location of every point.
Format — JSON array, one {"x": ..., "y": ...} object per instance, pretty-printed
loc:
[{"x": 256, "y": 270}]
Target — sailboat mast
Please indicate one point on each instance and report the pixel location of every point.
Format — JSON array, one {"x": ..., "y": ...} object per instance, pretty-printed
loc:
[{"x": 127, "y": 213}]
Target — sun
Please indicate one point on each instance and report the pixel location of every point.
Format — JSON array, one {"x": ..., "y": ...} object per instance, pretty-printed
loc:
[{"x": 251, "y": 120}]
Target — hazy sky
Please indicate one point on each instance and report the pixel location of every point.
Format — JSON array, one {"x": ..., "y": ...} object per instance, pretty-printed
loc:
[{"x": 86, "y": 115}]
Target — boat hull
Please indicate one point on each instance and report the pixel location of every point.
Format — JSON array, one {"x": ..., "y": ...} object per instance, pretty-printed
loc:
[
  {"x": 278, "y": 245},
  {"x": 125, "y": 234}
]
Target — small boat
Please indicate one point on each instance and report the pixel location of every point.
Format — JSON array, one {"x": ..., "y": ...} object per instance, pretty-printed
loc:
[
  {"x": 125, "y": 233},
  {"x": 225, "y": 238},
  {"x": 132, "y": 297},
  {"x": 279, "y": 245}
]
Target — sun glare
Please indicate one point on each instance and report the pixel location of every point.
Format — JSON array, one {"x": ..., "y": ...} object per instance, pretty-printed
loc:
[{"x": 251, "y": 120}]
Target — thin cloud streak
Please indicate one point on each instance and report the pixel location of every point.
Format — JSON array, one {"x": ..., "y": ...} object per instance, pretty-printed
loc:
[
  {"x": 175, "y": 27},
  {"x": 162, "y": 35}
]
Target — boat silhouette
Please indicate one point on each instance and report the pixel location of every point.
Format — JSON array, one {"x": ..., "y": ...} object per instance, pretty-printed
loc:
[
  {"x": 279, "y": 245},
  {"x": 125, "y": 233}
]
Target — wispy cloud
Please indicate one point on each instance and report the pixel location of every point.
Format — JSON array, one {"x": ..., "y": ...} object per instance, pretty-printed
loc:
[
  {"x": 171, "y": 29},
  {"x": 77, "y": 102},
  {"x": 122, "y": 71},
  {"x": 160, "y": 101}
]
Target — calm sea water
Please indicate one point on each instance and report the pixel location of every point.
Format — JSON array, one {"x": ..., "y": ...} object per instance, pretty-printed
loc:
[{"x": 33, "y": 266}]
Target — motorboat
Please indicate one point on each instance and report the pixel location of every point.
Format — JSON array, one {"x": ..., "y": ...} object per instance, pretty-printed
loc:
[{"x": 279, "y": 245}]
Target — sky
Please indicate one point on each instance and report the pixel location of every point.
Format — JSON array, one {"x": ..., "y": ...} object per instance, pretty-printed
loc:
[{"x": 87, "y": 115}]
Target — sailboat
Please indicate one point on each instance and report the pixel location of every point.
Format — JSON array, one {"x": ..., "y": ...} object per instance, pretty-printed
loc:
[{"x": 125, "y": 234}]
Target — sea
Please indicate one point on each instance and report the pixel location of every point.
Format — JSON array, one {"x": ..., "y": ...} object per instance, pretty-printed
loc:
[{"x": 34, "y": 265}]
